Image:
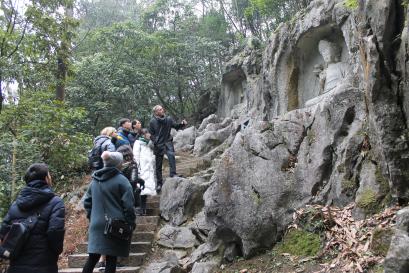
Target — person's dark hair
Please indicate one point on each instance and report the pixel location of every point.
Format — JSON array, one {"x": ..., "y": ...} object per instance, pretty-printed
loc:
[
  {"x": 134, "y": 123},
  {"x": 144, "y": 131},
  {"x": 126, "y": 152},
  {"x": 123, "y": 120},
  {"x": 37, "y": 171}
]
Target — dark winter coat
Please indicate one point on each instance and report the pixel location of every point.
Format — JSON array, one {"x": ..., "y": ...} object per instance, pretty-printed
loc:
[
  {"x": 132, "y": 137},
  {"x": 109, "y": 188},
  {"x": 130, "y": 171},
  {"x": 40, "y": 254},
  {"x": 160, "y": 133}
]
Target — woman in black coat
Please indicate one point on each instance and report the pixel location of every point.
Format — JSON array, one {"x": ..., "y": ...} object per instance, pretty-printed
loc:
[{"x": 40, "y": 252}]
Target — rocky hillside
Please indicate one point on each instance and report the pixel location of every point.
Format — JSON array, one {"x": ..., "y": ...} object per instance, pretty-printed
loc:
[{"x": 317, "y": 116}]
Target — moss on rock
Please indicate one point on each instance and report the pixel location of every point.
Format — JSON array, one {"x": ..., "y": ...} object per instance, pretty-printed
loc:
[
  {"x": 368, "y": 201},
  {"x": 349, "y": 186},
  {"x": 300, "y": 243},
  {"x": 381, "y": 240},
  {"x": 352, "y": 4}
]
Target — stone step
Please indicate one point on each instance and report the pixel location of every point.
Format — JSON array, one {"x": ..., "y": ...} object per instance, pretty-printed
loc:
[
  {"x": 118, "y": 270},
  {"x": 147, "y": 220},
  {"x": 153, "y": 205},
  {"x": 136, "y": 247},
  {"x": 134, "y": 259},
  {"x": 152, "y": 212},
  {"x": 145, "y": 227},
  {"x": 143, "y": 236}
]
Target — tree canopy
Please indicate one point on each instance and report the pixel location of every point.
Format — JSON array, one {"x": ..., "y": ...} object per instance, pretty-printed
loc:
[{"x": 80, "y": 65}]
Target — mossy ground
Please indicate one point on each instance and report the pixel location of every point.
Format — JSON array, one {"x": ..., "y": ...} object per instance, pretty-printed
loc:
[{"x": 300, "y": 243}]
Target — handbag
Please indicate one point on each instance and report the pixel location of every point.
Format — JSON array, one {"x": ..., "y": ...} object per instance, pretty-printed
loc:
[
  {"x": 17, "y": 237},
  {"x": 115, "y": 228},
  {"x": 118, "y": 228}
]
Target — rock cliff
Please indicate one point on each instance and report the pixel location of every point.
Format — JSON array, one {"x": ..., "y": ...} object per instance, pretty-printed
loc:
[{"x": 318, "y": 115}]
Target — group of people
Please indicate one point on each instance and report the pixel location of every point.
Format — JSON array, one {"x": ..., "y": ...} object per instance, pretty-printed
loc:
[{"x": 132, "y": 159}]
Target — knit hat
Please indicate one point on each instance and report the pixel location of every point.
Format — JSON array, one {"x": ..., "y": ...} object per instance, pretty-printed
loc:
[{"x": 111, "y": 159}]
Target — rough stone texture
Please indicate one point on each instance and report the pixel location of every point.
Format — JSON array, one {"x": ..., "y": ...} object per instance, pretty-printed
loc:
[
  {"x": 402, "y": 219},
  {"x": 201, "y": 252},
  {"x": 320, "y": 115},
  {"x": 182, "y": 198},
  {"x": 184, "y": 140},
  {"x": 205, "y": 267},
  {"x": 211, "y": 138},
  {"x": 177, "y": 237},
  {"x": 210, "y": 119},
  {"x": 324, "y": 122},
  {"x": 168, "y": 264},
  {"x": 397, "y": 259},
  {"x": 380, "y": 80}
]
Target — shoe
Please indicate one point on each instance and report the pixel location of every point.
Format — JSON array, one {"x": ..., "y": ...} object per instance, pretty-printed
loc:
[
  {"x": 101, "y": 266},
  {"x": 138, "y": 211},
  {"x": 177, "y": 175},
  {"x": 159, "y": 188}
]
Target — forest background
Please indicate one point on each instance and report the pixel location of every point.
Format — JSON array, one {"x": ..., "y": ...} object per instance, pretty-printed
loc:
[{"x": 69, "y": 68}]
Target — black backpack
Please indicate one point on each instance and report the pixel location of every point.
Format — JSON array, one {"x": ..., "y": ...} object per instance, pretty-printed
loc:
[
  {"x": 94, "y": 157},
  {"x": 17, "y": 237}
]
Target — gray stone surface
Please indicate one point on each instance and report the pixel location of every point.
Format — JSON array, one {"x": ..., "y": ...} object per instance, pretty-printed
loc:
[
  {"x": 182, "y": 198},
  {"x": 402, "y": 219},
  {"x": 176, "y": 237},
  {"x": 397, "y": 259},
  {"x": 210, "y": 139},
  {"x": 205, "y": 267},
  {"x": 327, "y": 104},
  {"x": 184, "y": 140}
]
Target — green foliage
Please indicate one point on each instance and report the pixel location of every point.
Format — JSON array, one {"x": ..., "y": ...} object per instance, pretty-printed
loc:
[
  {"x": 128, "y": 70},
  {"x": 352, "y": 4},
  {"x": 41, "y": 129},
  {"x": 300, "y": 243}
]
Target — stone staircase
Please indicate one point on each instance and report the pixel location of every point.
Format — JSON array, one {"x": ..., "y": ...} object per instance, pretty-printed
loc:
[
  {"x": 141, "y": 244},
  {"x": 186, "y": 165}
]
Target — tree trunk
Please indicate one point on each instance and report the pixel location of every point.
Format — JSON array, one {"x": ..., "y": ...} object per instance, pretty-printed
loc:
[{"x": 13, "y": 169}]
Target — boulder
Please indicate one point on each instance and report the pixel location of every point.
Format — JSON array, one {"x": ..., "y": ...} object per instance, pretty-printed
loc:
[
  {"x": 205, "y": 267},
  {"x": 168, "y": 264},
  {"x": 211, "y": 139},
  {"x": 182, "y": 198},
  {"x": 176, "y": 237},
  {"x": 184, "y": 139}
]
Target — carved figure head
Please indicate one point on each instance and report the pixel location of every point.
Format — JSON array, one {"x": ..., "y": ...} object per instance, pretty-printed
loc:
[{"x": 330, "y": 51}]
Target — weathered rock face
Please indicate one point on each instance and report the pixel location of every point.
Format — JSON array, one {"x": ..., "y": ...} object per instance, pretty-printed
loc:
[
  {"x": 397, "y": 259},
  {"x": 182, "y": 199},
  {"x": 323, "y": 120}
]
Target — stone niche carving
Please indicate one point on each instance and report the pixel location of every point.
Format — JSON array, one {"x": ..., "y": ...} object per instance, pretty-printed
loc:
[
  {"x": 319, "y": 64},
  {"x": 233, "y": 86}
]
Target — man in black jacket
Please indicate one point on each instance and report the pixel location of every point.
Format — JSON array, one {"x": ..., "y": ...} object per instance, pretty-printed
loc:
[
  {"x": 45, "y": 243},
  {"x": 160, "y": 127}
]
